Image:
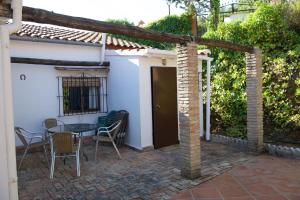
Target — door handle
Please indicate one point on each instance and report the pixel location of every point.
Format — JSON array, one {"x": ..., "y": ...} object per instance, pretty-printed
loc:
[{"x": 157, "y": 106}]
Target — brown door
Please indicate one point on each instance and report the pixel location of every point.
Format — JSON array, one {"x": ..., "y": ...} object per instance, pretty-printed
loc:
[{"x": 164, "y": 106}]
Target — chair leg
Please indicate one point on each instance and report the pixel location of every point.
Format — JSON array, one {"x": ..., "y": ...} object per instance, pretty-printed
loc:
[
  {"x": 115, "y": 146},
  {"x": 116, "y": 149},
  {"x": 119, "y": 139},
  {"x": 24, "y": 154},
  {"x": 97, "y": 142},
  {"x": 52, "y": 166}
]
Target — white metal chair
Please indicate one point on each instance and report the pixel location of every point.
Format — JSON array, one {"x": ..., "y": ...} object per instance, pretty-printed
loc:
[
  {"x": 31, "y": 139},
  {"x": 62, "y": 145},
  {"x": 108, "y": 134}
]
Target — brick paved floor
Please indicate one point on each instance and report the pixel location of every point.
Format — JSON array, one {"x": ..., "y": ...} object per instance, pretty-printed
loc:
[
  {"x": 139, "y": 175},
  {"x": 262, "y": 178}
]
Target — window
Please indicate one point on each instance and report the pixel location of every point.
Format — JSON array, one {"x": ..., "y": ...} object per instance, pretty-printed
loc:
[{"x": 82, "y": 95}]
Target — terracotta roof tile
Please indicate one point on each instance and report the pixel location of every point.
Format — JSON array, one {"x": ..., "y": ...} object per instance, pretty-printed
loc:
[{"x": 65, "y": 34}]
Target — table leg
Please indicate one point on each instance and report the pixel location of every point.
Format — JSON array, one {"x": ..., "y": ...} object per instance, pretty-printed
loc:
[{"x": 83, "y": 153}]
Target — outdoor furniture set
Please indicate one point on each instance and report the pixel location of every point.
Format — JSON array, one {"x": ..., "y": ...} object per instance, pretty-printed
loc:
[{"x": 66, "y": 139}]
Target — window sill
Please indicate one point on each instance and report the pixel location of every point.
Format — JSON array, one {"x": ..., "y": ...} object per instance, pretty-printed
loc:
[{"x": 82, "y": 113}]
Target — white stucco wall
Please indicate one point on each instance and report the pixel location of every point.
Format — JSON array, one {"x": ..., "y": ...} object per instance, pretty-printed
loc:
[
  {"x": 129, "y": 86},
  {"x": 130, "y": 89},
  {"x": 146, "y": 96},
  {"x": 35, "y": 98},
  {"x": 123, "y": 88}
]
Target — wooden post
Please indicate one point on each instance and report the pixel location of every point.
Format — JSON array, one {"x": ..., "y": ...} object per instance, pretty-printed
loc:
[
  {"x": 5, "y": 10},
  {"x": 193, "y": 18},
  {"x": 194, "y": 25}
]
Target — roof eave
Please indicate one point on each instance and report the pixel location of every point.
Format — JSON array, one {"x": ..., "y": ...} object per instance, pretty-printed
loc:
[{"x": 54, "y": 41}]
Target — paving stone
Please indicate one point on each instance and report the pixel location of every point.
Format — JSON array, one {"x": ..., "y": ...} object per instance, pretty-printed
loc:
[
  {"x": 139, "y": 175},
  {"x": 263, "y": 177}
]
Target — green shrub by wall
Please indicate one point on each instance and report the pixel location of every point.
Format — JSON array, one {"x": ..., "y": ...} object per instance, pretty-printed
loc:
[{"x": 268, "y": 29}]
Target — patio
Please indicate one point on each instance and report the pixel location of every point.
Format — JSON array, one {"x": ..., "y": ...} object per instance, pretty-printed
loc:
[
  {"x": 152, "y": 174},
  {"x": 263, "y": 178}
]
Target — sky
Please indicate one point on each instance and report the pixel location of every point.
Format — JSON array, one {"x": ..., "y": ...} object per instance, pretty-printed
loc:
[{"x": 132, "y": 10}]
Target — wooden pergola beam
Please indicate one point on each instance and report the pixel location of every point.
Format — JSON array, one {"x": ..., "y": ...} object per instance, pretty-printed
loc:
[
  {"x": 47, "y": 17},
  {"x": 224, "y": 44}
]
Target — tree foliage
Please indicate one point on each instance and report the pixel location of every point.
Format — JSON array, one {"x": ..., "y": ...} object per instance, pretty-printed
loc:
[
  {"x": 215, "y": 13},
  {"x": 202, "y": 6},
  {"x": 170, "y": 24},
  {"x": 122, "y": 22}
]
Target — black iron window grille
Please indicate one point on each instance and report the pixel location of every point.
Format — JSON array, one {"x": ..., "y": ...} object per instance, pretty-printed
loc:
[{"x": 81, "y": 95}]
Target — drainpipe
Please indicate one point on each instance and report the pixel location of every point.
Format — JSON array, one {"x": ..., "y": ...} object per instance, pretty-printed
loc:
[
  {"x": 7, "y": 136},
  {"x": 103, "y": 41},
  {"x": 207, "y": 135},
  {"x": 208, "y": 61},
  {"x": 200, "y": 97},
  {"x": 102, "y": 57}
]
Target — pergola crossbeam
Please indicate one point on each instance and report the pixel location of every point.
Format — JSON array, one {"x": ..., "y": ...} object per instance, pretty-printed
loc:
[{"x": 48, "y": 17}]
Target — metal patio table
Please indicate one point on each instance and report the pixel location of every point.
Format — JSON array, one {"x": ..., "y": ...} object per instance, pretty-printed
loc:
[{"x": 79, "y": 128}]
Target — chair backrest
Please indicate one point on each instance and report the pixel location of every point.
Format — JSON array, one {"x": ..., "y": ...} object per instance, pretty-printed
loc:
[
  {"x": 50, "y": 123},
  {"x": 115, "y": 128},
  {"x": 111, "y": 117},
  {"x": 62, "y": 142},
  {"x": 19, "y": 132},
  {"x": 123, "y": 116}
]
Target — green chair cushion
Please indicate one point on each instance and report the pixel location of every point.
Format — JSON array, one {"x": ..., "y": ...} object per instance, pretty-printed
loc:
[{"x": 104, "y": 121}]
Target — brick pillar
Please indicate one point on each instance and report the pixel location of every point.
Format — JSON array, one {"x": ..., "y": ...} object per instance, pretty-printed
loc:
[
  {"x": 188, "y": 108},
  {"x": 254, "y": 101}
]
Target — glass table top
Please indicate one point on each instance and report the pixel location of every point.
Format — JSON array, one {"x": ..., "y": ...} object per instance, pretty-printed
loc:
[{"x": 75, "y": 128}]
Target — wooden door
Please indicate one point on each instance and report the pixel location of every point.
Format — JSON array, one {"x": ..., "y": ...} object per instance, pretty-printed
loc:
[{"x": 164, "y": 106}]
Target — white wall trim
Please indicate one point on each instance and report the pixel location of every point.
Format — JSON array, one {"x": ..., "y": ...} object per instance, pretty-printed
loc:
[{"x": 157, "y": 53}]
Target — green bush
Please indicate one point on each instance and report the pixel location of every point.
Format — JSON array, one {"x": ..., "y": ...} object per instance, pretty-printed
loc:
[
  {"x": 175, "y": 24},
  {"x": 267, "y": 28},
  {"x": 228, "y": 96},
  {"x": 179, "y": 25}
]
